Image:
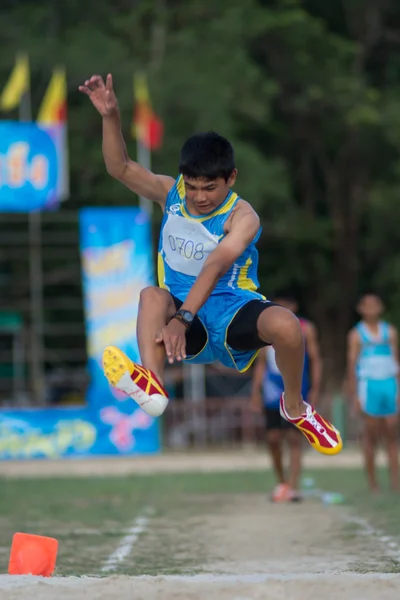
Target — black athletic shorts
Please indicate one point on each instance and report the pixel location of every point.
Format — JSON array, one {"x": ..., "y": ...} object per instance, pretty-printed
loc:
[{"x": 242, "y": 332}]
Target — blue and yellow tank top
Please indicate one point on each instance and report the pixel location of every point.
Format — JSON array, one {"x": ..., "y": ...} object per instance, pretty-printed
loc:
[
  {"x": 376, "y": 359},
  {"x": 186, "y": 241}
]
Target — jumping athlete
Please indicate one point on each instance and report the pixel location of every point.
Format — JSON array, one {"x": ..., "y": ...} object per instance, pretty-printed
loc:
[
  {"x": 267, "y": 388},
  {"x": 206, "y": 307},
  {"x": 372, "y": 360}
]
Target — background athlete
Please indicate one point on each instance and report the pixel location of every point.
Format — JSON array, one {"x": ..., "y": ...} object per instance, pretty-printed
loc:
[
  {"x": 372, "y": 359},
  {"x": 267, "y": 387},
  {"x": 206, "y": 307}
]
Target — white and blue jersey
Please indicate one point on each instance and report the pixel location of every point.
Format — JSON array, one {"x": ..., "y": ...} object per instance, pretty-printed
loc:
[
  {"x": 377, "y": 371},
  {"x": 273, "y": 382},
  {"x": 185, "y": 243}
]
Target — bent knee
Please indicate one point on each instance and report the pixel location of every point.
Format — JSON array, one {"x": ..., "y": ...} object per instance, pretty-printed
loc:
[
  {"x": 277, "y": 324},
  {"x": 153, "y": 294}
]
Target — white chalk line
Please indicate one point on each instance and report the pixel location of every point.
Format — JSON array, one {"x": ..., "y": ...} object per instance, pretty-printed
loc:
[
  {"x": 266, "y": 577},
  {"x": 127, "y": 543},
  {"x": 15, "y": 581},
  {"x": 140, "y": 524},
  {"x": 391, "y": 545}
]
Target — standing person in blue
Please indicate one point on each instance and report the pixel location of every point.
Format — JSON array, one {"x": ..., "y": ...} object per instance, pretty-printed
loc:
[
  {"x": 206, "y": 307},
  {"x": 373, "y": 369},
  {"x": 267, "y": 387}
]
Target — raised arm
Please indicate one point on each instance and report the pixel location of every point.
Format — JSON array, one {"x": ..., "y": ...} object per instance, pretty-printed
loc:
[{"x": 118, "y": 164}]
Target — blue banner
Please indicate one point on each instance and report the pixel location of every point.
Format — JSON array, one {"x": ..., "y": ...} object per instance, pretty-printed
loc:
[
  {"x": 116, "y": 266},
  {"x": 32, "y": 166},
  {"x": 61, "y": 432}
]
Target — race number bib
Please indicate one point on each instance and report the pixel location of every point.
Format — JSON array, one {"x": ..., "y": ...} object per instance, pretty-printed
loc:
[{"x": 186, "y": 245}]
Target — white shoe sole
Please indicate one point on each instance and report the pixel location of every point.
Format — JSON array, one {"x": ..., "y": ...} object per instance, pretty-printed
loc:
[{"x": 118, "y": 369}]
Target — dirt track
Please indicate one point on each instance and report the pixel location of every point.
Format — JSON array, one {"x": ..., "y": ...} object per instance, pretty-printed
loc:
[
  {"x": 256, "y": 551},
  {"x": 253, "y": 551},
  {"x": 168, "y": 462}
]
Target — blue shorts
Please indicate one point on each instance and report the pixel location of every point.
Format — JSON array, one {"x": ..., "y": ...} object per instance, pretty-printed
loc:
[
  {"x": 207, "y": 339},
  {"x": 378, "y": 397}
]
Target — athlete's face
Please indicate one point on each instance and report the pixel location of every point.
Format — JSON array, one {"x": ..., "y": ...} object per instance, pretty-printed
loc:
[
  {"x": 205, "y": 195},
  {"x": 370, "y": 307}
]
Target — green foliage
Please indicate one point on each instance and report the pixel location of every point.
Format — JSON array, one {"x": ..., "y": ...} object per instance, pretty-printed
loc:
[{"x": 308, "y": 92}]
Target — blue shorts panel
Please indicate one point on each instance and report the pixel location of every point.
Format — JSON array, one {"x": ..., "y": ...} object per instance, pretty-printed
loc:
[{"x": 378, "y": 397}]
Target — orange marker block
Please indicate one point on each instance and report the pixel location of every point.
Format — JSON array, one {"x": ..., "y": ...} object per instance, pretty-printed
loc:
[{"x": 32, "y": 555}]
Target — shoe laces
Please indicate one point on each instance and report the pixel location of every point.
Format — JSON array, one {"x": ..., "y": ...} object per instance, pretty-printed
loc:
[{"x": 313, "y": 421}]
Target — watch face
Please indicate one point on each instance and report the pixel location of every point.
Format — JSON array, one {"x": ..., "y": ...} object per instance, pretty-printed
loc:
[{"x": 187, "y": 315}]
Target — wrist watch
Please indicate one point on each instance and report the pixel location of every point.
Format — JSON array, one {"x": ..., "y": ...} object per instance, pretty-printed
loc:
[{"x": 185, "y": 317}]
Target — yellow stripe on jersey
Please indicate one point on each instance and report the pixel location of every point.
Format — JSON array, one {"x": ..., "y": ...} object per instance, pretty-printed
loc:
[
  {"x": 219, "y": 211},
  {"x": 161, "y": 272},
  {"x": 227, "y": 207},
  {"x": 180, "y": 186},
  {"x": 244, "y": 282}
]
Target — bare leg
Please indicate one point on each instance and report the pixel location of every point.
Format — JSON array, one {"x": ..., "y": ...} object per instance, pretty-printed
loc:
[
  {"x": 156, "y": 307},
  {"x": 281, "y": 328},
  {"x": 391, "y": 425},
  {"x": 371, "y": 435},
  {"x": 295, "y": 445},
  {"x": 274, "y": 443}
]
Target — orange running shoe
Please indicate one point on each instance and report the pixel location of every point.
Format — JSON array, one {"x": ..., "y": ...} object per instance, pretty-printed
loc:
[
  {"x": 281, "y": 493},
  {"x": 321, "y": 434},
  {"x": 139, "y": 383}
]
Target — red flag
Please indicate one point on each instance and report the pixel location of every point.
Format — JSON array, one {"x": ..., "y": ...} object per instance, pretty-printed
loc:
[{"x": 146, "y": 125}]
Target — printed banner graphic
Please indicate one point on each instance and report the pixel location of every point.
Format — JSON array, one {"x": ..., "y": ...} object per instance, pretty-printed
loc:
[
  {"x": 60, "y": 432},
  {"x": 32, "y": 166}
]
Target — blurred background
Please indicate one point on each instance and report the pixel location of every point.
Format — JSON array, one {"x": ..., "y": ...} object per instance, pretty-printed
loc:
[{"x": 309, "y": 94}]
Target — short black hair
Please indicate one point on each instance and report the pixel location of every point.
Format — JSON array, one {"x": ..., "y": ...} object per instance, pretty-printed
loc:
[
  {"x": 369, "y": 292},
  {"x": 207, "y": 155}
]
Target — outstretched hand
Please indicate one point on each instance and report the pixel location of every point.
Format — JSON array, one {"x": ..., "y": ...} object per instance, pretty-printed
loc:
[{"x": 101, "y": 94}]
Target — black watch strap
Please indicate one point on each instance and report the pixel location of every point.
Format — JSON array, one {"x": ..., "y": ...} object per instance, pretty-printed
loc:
[{"x": 185, "y": 317}]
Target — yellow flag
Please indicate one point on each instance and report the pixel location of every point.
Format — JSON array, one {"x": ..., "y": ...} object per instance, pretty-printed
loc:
[
  {"x": 54, "y": 105},
  {"x": 140, "y": 89},
  {"x": 17, "y": 85}
]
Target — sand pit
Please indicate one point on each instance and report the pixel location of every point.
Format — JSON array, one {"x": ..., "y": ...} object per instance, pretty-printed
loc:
[{"x": 252, "y": 550}]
